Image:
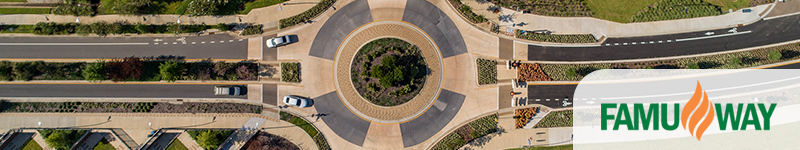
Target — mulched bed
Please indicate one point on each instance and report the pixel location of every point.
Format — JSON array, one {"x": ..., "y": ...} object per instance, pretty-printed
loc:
[
  {"x": 371, "y": 56},
  {"x": 128, "y": 107},
  {"x": 532, "y": 72},
  {"x": 266, "y": 141}
]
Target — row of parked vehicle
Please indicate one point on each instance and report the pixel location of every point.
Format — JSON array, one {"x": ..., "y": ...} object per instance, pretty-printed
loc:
[{"x": 236, "y": 90}]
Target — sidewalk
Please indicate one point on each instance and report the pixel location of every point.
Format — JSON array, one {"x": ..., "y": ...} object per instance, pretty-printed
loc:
[
  {"x": 599, "y": 27},
  {"x": 266, "y": 15},
  {"x": 510, "y": 137}
]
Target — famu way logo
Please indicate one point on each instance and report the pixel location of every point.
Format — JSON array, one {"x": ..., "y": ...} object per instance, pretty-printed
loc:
[{"x": 697, "y": 115}]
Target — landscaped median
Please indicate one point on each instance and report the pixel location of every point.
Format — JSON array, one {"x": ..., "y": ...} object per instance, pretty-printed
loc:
[
  {"x": 7, "y": 106},
  {"x": 129, "y": 69},
  {"x": 322, "y": 6},
  {"x": 555, "y": 38},
  {"x": 466, "y": 133},
  {"x": 487, "y": 71},
  {"x": 312, "y": 130},
  {"x": 734, "y": 60}
]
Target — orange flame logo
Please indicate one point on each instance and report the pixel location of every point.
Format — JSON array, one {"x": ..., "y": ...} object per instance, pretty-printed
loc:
[{"x": 705, "y": 110}]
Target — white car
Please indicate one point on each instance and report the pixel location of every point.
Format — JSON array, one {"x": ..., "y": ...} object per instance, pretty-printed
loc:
[
  {"x": 278, "y": 41},
  {"x": 298, "y": 101},
  {"x": 227, "y": 90}
]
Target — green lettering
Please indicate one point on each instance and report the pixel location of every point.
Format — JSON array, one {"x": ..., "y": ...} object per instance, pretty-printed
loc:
[
  {"x": 766, "y": 114},
  {"x": 652, "y": 114},
  {"x": 723, "y": 121},
  {"x": 676, "y": 119},
  {"x": 603, "y": 114},
  {"x": 622, "y": 112},
  {"x": 751, "y": 111}
]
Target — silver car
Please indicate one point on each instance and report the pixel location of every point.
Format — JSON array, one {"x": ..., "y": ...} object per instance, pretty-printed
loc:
[
  {"x": 298, "y": 101},
  {"x": 227, "y": 90}
]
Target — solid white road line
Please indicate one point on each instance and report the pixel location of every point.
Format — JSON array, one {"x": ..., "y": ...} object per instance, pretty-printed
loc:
[
  {"x": 68, "y": 44},
  {"x": 712, "y": 36},
  {"x": 786, "y": 15}
]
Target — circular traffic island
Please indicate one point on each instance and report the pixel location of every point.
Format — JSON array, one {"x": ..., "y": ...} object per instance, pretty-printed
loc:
[{"x": 388, "y": 71}]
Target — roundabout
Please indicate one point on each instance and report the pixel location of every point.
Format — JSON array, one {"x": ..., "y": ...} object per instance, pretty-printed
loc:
[{"x": 383, "y": 114}]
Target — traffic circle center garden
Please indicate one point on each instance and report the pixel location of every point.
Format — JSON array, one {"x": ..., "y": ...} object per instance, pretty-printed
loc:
[{"x": 388, "y": 71}]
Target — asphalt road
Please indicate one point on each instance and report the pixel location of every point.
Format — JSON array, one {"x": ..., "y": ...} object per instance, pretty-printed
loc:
[
  {"x": 762, "y": 33},
  {"x": 111, "y": 91},
  {"x": 118, "y": 47}
]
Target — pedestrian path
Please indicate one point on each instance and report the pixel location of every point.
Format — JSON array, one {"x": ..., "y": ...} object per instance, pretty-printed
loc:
[
  {"x": 510, "y": 137},
  {"x": 599, "y": 27},
  {"x": 267, "y": 15}
]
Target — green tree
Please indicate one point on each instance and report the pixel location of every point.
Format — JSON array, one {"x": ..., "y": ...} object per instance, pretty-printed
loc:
[
  {"x": 58, "y": 140},
  {"x": 171, "y": 70},
  {"x": 775, "y": 55},
  {"x": 693, "y": 66},
  {"x": 735, "y": 61},
  {"x": 205, "y": 7},
  {"x": 208, "y": 140},
  {"x": 95, "y": 71},
  {"x": 5, "y": 70},
  {"x": 142, "y": 28},
  {"x": 223, "y": 27}
]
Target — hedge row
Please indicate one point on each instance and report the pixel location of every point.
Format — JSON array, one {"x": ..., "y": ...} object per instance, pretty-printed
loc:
[
  {"x": 555, "y": 38},
  {"x": 308, "y": 14},
  {"x": 467, "y": 133},
  {"x": 104, "y": 28}
]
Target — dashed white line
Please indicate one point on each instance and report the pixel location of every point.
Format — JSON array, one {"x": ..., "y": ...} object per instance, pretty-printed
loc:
[
  {"x": 651, "y": 42},
  {"x": 660, "y": 41},
  {"x": 633, "y": 43},
  {"x": 669, "y": 41},
  {"x": 174, "y": 42},
  {"x": 230, "y": 41},
  {"x": 616, "y": 43},
  {"x": 155, "y": 43},
  {"x": 221, "y": 41},
  {"x": 624, "y": 43},
  {"x": 713, "y": 36},
  {"x": 241, "y": 40},
  {"x": 608, "y": 44},
  {"x": 203, "y": 42},
  {"x": 194, "y": 42},
  {"x": 212, "y": 42},
  {"x": 538, "y": 99}
]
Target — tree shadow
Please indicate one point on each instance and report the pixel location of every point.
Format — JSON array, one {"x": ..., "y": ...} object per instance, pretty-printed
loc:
[
  {"x": 266, "y": 70},
  {"x": 789, "y": 54},
  {"x": 480, "y": 142},
  {"x": 750, "y": 60},
  {"x": 667, "y": 67},
  {"x": 708, "y": 65}
]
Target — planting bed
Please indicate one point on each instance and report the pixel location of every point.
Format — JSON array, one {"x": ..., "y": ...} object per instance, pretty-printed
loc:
[
  {"x": 532, "y": 72},
  {"x": 319, "y": 139},
  {"x": 266, "y": 141},
  {"x": 467, "y": 133},
  {"x": 61, "y": 139},
  {"x": 467, "y": 12},
  {"x": 210, "y": 139},
  {"x": 290, "y": 72},
  {"x": 676, "y": 9},
  {"x": 388, "y": 72},
  {"x": 308, "y": 14},
  {"x": 523, "y": 116},
  {"x": 127, "y": 107},
  {"x": 558, "y": 8},
  {"x": 556, "y": 119},
  {"x": 555, "y": 38},
  {"x": 736, "y": 60},
  {"x": 487, "y": 71}
]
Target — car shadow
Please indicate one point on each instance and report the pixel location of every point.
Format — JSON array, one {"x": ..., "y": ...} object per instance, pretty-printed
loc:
[
  {"x": 293, "y": 39},
  {"x": 243, "y": 89}
]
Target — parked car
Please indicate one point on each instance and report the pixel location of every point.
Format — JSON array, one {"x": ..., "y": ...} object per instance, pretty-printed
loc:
[
  {"x": 278, "y": 41},
  {"x": 298, "y": 101},
  {"x": 228, "y": 90}
]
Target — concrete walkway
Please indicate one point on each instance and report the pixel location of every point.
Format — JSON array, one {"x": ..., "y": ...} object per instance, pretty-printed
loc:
[
  {"x": 599, "y": 27},
  {"x": 267, "y": 15},
  {"x": 510, "y": 137}
]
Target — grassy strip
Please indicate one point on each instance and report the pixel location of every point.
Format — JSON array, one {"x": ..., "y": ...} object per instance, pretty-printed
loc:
[
  {"x": 16, "y": 28},
  {"x": 290, "y": 72},
  {"x": 467, "y": 133},
  {"x": 176, "y": 145},
  {"x": 487, "y": 71},
  {"x": 258, "y": 4},
  {"x": 736, "y": 60},
  {"x": 13, "y": 1},
  {"x": 308, "y": 14},
  {"x": 24, "y": 10},
  {"x": 31, "y": 145},
  {"x": 558, "y": 8},
  {"x": 104, "y": 145},
  {"x": 560, "y": 147},
  {"x": 126, "y": 107},
  {"x": 555, "y": 38},
  {"x": 556, "y": 119},
  {"x": 125, "y": 70},
  {"x": 312, "y": 131}
]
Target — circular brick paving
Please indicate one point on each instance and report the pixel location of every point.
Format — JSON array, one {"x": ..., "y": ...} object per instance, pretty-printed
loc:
[{"x": 383, "y": 29}]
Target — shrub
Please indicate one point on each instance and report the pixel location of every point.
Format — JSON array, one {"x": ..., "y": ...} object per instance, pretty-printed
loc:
[
  {"x": 95, "y": 71},
  {"x": 254, "y": 29},
  {"x": 126, "y": 6},
  {"x": 290, "y": 72},
  {"x": 171, "y": 71},
  {"x": 693, "y": 66},
  {"x": 308, "y": 14},
  {"x": 223, "y": 27},
  {"x": 6, "y": 68},
  {"x": 24, "y": 71},
  {"x": 210, "y": 139},
  {"x": 775, "y": 55},
  {"x": 556, "y": 119},
  {"x": 61, "y": 139},
  {"x": 74, "y": 7},
  {"x": 205, "y": 7},
  {"x": 555, "y": 38},
  {"x": 125, "y": 69},
  {"x": 735, "y": 61},
  {"x": 142, "y": 28},
  {"x": 676, "y": 9}
]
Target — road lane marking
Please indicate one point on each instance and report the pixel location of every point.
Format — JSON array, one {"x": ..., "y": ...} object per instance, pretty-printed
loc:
[
  {"x": 660, "y": 41},
  {"x": 174, "y": 42},
  {"x": 669, "y": 41},
  {"x": 230, "y": 40},
  {"x": 643, "y": 43},
  {"x": 221, "y": 41},
  {"x": 67, "y": 44},
  {"x": 212, "y": 42},
  {"x": 651, "y": 42},
  {"x": 624, "y": 43},
  {"x": 241, "y": 40},
  {"x": 204, "y": 42},
  {"x": 155, "y": 43},
  {"x": 194, "y": 42},
  {"x": 165, "y": 43},
  {"x": 608, "y": 44},
  {"x": 712, "y": 36}
]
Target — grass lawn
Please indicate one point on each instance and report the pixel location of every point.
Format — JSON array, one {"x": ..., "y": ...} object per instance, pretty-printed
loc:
[
  {"x": 258, "y": 4},
  {"x": 104, "y": 145},
  {"x": 31, "y": 145},
  {"x": 617, "y": 10},
  {"x": 176, "y": 145},
  {"x": 560, "y": 147},
  {"x": 304, "y": 125},
  {"x": 730, "y": 4},
  {"x": 16, "y": 28},
  {"x": 13, "y": 1},
  {"x": 24, "y": 10}
]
